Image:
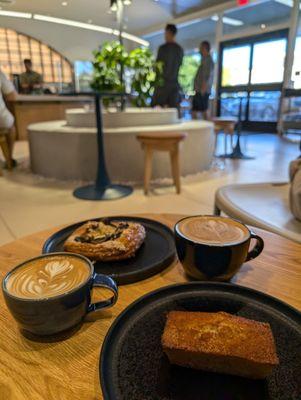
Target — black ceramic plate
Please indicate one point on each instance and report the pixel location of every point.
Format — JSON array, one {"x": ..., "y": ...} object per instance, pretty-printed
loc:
[
  {"x": 133, "y": 366},
  {"x": 156, "y": 253}
]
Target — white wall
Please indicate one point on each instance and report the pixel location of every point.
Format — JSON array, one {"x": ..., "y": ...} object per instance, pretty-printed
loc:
[{"x": 73, "y": 43}]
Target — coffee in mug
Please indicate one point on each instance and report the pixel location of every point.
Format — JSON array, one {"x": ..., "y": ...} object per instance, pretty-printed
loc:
[
  {"x": 51, "y": 293},
  {"x": 48, "y": 277},
  {"x": 213, "y": 230},
  {"x": 213, "y": 247}
]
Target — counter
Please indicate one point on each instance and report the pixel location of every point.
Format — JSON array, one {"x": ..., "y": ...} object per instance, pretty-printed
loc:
[{"x": 28, "y": 109}]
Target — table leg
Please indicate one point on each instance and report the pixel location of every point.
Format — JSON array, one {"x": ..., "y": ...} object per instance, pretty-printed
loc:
[
  {"x": 147, "y": 168},
  {"x": 175, "y": 166}
]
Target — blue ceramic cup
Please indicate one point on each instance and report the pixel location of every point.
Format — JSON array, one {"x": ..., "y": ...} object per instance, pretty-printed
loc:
[{"x": 54, "y": 314}]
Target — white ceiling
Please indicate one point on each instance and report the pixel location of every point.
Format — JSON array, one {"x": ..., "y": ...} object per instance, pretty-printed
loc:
[
  {"x": 95, "y": 10},
  {"x": 142, "y": 16}
]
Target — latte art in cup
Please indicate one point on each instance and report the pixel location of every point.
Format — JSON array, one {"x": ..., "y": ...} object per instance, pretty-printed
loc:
[
  {"x": 47, "y": 277},
  {"x": 213, "y": 230}
]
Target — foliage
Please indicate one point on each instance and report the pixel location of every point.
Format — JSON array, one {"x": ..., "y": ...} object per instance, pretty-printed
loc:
[
  {"x": 187, "y": 73},
  {"x": 112, "y": 59},
  {"x": 109, "y": 60},
  {"x": 146, "y": 74}
]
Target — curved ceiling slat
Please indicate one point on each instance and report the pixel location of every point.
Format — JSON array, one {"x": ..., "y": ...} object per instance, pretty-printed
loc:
[{"x": 15, "y": 46}]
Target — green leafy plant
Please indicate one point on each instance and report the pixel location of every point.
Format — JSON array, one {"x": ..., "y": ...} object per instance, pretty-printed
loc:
[
  {"x": 146, "y": 74},
  {"x": 187, "y": 73},
  {"x": 111, "y": 60}
]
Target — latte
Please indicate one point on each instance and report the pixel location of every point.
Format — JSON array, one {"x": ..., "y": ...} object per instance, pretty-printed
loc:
[
  {"x": 213, "y": 230},
  {"x": 47, "y": 277}
]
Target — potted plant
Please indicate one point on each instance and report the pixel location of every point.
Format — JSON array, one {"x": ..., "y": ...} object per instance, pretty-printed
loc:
[
  {"x": 110, "y": 63},
  {"x": 146, "y": 75}
]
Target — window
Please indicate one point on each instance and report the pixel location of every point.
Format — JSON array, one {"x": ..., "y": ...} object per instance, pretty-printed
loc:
[
  {"x": 14, "y": 47},
  {"x": 236, "y": 65},
  {"x": 268, "y": 61}
]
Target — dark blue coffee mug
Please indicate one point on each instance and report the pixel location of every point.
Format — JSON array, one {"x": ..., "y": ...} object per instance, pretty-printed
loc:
[
  {"x": 48, "y": 316},
  {"x": 218, "y": 262}
]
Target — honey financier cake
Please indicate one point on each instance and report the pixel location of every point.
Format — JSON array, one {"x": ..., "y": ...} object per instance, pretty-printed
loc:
[
  {"x": 106, "y": 240},
  {"x": 220, "y": 342}
]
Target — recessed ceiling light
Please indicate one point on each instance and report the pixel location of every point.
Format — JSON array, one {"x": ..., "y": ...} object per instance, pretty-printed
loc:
[
  {"x": 228, "y": 21},
  {"x": 64, "y": 3},
  {"x": 263, "y": 26}
]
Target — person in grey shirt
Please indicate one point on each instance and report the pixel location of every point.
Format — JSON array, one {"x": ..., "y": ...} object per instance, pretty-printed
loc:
[
  {"x": 171, "y": 55},
  {"x": 203, "y": 82}
]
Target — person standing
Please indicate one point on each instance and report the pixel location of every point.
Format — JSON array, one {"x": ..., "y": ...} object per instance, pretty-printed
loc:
[
  {"x": 30, "y": 80},
  {"x": 171, "y": 55},
  {"x": 203, "y": 82}
]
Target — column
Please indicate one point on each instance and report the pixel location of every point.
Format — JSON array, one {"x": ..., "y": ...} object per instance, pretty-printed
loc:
[
  {"x": 289, "y": 60},
  {"x": 218, "y": 39}
]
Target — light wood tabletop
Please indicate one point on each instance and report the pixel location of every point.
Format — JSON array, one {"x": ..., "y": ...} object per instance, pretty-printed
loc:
[{"x": 68, "y": 369}]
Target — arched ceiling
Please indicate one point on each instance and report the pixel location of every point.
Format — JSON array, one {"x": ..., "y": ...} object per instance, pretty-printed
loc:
[{"x": 140, "y": 15}]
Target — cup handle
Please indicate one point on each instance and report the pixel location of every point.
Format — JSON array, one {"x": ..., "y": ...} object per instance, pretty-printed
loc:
[
  {"x": 257, "y": 249},
  {"x": 107, "y": 283}
]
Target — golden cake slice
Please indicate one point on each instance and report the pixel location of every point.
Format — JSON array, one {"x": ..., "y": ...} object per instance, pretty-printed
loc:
[
  {"x": 220, "y": 342},
  {"x": 106, "y": 240}
]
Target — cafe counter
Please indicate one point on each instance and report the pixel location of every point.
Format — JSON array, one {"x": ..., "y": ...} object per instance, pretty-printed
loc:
[{"x": 28, "y": 109}]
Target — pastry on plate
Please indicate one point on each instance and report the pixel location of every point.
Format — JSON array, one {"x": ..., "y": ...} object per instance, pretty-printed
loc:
[
  {"x": 106, "y": 240},
  {"x": 220, "y": 342}
]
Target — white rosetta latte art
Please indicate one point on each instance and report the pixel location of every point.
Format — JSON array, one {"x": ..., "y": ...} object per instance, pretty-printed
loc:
[{"x": 43, "y": 278}]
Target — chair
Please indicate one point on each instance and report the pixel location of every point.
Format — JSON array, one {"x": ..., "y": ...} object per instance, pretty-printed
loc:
[
  {"x": 5, "y": 149},
  {"x": 226, "y": 125},
  {"x": 265, "y": 205},
  {"x": 168, "y": 141}
]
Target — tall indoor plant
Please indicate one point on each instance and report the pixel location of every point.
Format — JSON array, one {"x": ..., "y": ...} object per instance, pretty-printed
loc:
[
  {"x": 146, "y": 74},
  {"x": 110, "y": 63}
]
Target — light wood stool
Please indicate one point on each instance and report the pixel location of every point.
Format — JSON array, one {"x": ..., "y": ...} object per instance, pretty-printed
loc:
[
  {"x": 5, "y": 149},
  {"x": 165, "y": 141},
  {"x": 226, "y": 125}
]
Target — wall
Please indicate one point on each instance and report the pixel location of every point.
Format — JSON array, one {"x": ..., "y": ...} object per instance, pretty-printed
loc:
[{"x": 73, "y": 43}]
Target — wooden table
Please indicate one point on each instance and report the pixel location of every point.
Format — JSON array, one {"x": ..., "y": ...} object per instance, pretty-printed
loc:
[{"x": 68, "y": 369}]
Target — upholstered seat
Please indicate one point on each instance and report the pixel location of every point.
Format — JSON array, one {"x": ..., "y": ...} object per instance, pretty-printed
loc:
[{"x": 265, "y": 205}]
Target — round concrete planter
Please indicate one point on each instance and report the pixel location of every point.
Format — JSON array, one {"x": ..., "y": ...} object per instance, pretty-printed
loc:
[{"x": 70, "y": 153}]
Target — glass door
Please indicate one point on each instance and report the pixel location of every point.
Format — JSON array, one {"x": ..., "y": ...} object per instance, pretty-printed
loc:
[{"x": 252, "y": 70}]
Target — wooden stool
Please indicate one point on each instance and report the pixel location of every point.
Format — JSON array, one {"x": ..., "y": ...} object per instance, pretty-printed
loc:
[
  {"x": 226, "y": 125},
  {"x": 165, "y": 141},
  {"x": 5, "y": 149}
]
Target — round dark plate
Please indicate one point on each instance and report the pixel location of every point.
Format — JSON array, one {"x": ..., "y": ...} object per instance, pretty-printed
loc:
[
  {"x": 133, "y": 366},
  {"x": 156, "y": 253}
]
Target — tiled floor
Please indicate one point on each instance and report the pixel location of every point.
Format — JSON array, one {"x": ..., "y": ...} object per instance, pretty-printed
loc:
[{"x": 29, "y": 203}]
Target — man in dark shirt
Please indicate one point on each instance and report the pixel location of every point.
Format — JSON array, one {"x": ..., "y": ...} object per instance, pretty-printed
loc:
[{"x": 171, "y": 55}]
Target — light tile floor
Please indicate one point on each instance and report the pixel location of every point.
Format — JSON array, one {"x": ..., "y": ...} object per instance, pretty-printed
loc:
[{"x": 29, "y": 203}]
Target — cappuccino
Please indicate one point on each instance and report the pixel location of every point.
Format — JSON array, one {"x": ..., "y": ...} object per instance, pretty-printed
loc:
[
  {"x": 48, "y": 277},
  {"x": 213, "y": 230}
]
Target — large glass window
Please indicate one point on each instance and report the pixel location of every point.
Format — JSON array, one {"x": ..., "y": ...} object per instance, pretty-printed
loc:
[
  {"x": 264, "y": 106},
  {"x": 236, "y": 65},
  {"x": 230, "y": 103},
  {"x": 14, "y": 47},
  {"x": 268, "y": 61}
]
